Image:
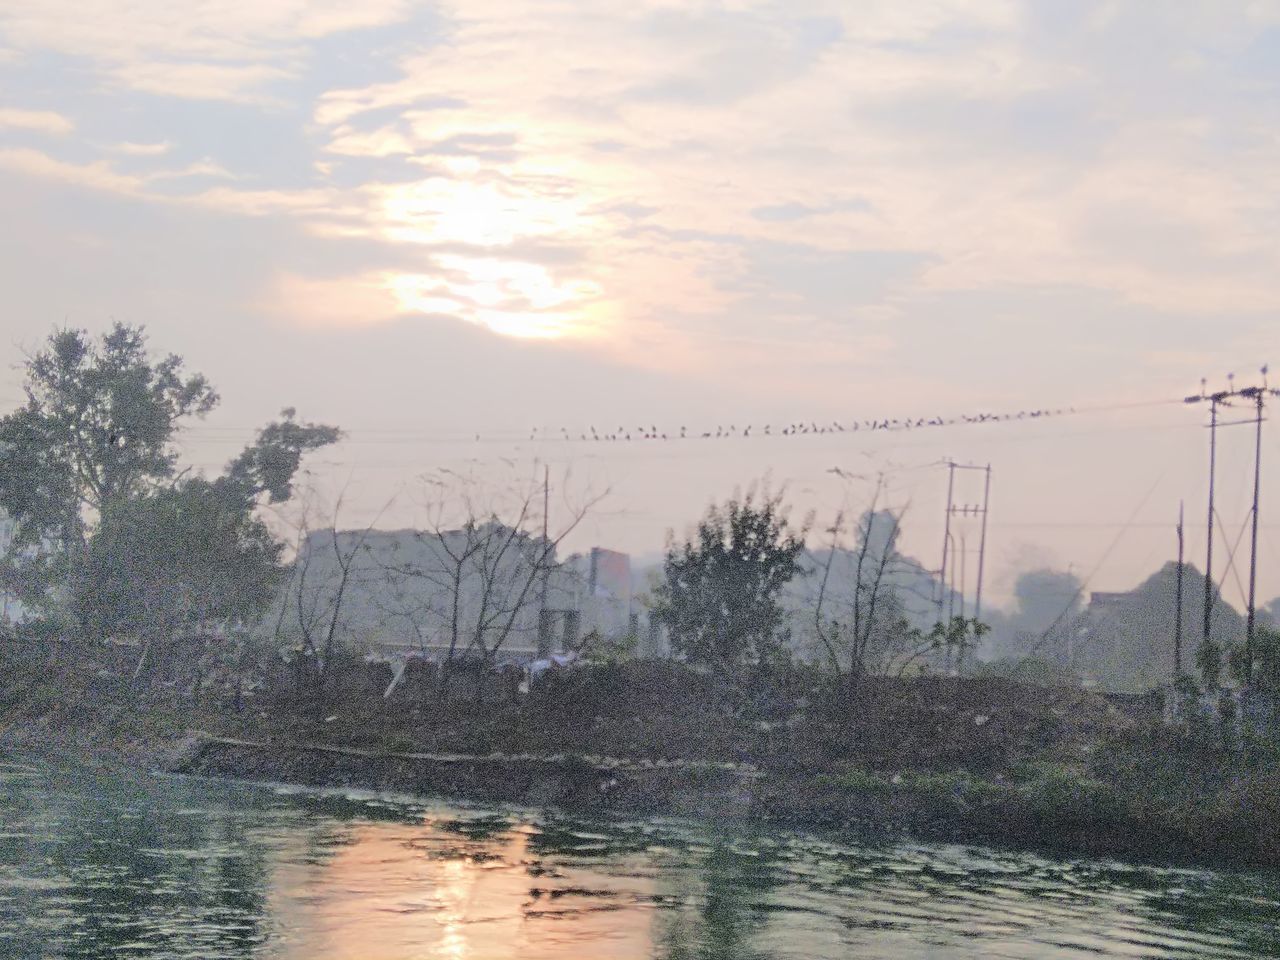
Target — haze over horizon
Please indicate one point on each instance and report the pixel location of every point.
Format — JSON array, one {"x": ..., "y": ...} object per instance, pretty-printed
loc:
[{"x": 428, "y": 222}]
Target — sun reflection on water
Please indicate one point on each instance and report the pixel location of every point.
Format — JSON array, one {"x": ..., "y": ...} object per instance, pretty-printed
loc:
[{"x": 397, "y": 891}]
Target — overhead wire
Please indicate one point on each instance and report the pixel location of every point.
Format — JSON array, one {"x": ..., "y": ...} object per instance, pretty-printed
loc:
[
  {"x": 1231, "y": 556},
  {"x": 1084, "y": 583},
  {"x": 590, "y": 433}
]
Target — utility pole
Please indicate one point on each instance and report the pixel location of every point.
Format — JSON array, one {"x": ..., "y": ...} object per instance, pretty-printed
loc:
[
  {"x": 1177, "y": 627},
  {"x": 946, "y": 539},
  {"x": 1208, "y": 557},
  {"x": 545, "y": 615},
  {"x": 951, "y": 596},
  {"x": 949, "y": 543},
  {"x": 982, "y": 543},
  {"x": 1221, "y": 398},
  {"x": 1253, "y": 553}
]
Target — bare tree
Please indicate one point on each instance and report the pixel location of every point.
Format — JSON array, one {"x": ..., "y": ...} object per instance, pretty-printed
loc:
[
  {"x": 861, "y": 622},
  {"x": 858, "y": 622},
  {"x": 481, "y": 565},
  {"x": 310, "y": 609}
]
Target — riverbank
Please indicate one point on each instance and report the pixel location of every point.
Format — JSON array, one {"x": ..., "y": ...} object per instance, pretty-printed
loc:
[
  {"x": 97, "y": 864},
  {"x": 983, "y": 761}
]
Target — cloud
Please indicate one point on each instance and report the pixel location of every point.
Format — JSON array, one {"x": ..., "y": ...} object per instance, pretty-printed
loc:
[
  {"x": 201, "y": 51},
  {"x": 202, "y": 169},
  {"x": 711, "y": 168},
  {"x": 130, "y": 149},
  {"x": 507, "y": 297},
  {"x": 95, "y": 176},
  {"x": 37, "y": 121},
  {"x": 227, "y": 201},
  {"x": 788, "y": 212},
  {"x": 331, "y": 302},
  {"x": 243, "y": 82}
]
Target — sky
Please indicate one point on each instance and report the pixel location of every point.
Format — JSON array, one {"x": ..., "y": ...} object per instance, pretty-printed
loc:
[{"x": 428, "y": 223}]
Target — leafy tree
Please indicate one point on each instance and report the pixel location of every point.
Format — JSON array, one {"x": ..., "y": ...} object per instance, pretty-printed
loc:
[
  {"x": 719, "y": 598},
  {"x": 1046, "y": 598},
  {"x": 97, "y": 428},
  {"x": 173, "y": 558},
  {"x": 105, "y": 525},
  {"x": 1209, "y": 660},
  {"x": 1266, "y": 660},
  {"x": 194, "y": 551},
  {"x": 267, "y": 467}
]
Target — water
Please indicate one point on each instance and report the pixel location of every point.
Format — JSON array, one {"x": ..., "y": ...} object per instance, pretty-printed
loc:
[{"x": 93, "y": 865}]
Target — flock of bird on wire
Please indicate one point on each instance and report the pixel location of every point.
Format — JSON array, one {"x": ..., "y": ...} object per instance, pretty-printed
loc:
[{"x": 796, "y": 429}]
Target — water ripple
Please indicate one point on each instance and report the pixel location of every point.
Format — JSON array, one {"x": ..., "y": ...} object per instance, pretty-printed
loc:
[{"x": 168, "y": 868}]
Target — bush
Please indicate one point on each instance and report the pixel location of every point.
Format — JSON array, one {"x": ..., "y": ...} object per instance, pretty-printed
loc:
[{"x": 1068, "y": 797}]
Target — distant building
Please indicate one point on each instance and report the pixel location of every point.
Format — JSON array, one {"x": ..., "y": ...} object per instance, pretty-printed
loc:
[
  {"x": 1125, "y": 641},
  {"x": 1103, "y": 603},
  {"x": 455, "y": 593},
  {"x": 906, "y": 589}
]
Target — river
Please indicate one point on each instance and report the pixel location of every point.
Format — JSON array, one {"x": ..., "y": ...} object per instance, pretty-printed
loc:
[{"x": 96, "y": 864}]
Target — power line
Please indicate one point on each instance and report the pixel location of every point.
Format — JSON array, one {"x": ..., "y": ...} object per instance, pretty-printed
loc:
[
  {"x": 624, "y": 433},
  {"x": 1075, "y": 597}
]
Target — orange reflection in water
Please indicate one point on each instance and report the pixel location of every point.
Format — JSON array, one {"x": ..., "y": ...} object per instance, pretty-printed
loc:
[{"x": 396, "y": 891}]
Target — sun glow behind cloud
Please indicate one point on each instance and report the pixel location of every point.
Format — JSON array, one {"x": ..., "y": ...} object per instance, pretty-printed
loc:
[
  {"x": 482, "y": 227},
  {"x": 506, "y": 296},
  {"x": 441, "y": 210}
]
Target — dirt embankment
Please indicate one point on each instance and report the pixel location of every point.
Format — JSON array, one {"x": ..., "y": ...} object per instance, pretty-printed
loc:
[{"x": 985, "y": 760}]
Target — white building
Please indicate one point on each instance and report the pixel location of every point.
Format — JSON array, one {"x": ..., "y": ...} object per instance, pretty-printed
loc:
[{"x": 459, "y": 593}]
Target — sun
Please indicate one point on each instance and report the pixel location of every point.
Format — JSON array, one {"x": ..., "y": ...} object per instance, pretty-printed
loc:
[
  {"x": 491, "y": 287},
  {"x": 510, "y": 297}
]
